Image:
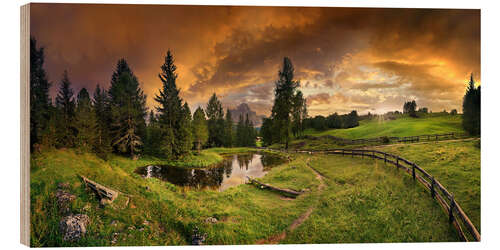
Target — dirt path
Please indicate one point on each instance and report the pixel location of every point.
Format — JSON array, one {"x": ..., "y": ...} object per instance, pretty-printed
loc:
[{"x": 276, "y": 239}]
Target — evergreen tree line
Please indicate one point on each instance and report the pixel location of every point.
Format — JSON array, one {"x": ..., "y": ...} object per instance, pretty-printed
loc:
[
  {"x": 333, "y": 121},
  {"x": 245, "y": 132},
  {"x": 114, "y": 120}
]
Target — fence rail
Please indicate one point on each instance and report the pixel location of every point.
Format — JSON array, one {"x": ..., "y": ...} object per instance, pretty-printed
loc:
[
  {"x": 387, "y": 139},
  {"x": 437, "y": 190}
]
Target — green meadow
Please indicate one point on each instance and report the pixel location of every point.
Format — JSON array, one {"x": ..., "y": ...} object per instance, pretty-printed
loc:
[
  {"x": 456, "y": 164},
  {"x": 362, "y": 201},
  {"x": 405, "y": 126}
]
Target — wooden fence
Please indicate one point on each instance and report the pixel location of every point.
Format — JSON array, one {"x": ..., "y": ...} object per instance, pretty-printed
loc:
[
  {"x": 388, "y": 139},
  {"x": 437, "y": 190}
]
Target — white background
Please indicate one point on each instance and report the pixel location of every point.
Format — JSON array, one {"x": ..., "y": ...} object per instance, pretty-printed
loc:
[{"x": 490, "y": 80}]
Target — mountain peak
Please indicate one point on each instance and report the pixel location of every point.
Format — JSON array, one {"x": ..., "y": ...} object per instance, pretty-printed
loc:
[{"x": 243, "y": 109}]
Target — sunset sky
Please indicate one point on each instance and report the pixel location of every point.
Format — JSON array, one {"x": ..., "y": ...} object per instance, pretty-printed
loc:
[{"x": 345, "y": 58}]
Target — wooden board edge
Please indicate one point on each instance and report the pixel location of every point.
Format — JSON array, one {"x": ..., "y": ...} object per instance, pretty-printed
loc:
[{"x": 25, "y": 123}]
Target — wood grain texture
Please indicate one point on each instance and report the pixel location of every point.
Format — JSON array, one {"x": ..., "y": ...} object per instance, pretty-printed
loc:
[{"x": 25, "y": 123}]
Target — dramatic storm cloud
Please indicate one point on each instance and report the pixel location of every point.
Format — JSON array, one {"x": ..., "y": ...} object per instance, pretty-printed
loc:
[{"x": 345, "y": 58}]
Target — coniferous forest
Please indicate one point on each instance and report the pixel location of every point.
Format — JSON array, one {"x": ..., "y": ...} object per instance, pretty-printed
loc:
[{"x": 117, "y": 120}]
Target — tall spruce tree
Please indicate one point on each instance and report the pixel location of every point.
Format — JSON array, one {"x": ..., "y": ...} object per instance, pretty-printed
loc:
[
  {"x": 103, "y": 119},
  {"x": 184, "y": 135},
  {"x": 471, "y": 120},
  {"x": 128, "y": 110},
  {"x": 172, "y": 116},
  {"x": 266, "y": 131},
  {"x": 228, "y": 130},
  {"x": 284, "y": 93},
  {"x": 40, "y": 103},
  {"x": 153, "y": 136},
  {"x": 200, "y": 129},
  {"x": 240, "y": 132},
  {"x": 250, "y": 134},
  {"x": 85, "y": 122},
  {"x": 298, "y": 104},
  {"x": 65, "y": 105},
  {"x": 215, "y": 116}
]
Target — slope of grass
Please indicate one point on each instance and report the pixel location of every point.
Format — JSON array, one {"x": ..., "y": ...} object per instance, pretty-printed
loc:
[
  {"x": 367, "y": 201},
  {"x": 158, "y": 213},
  {"x": 405, "y": 126},
  {"x": 171, "y": 213},
  {"x": 456, "y": 164}
]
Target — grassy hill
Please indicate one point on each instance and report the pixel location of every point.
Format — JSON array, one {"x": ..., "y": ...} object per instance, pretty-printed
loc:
[
  {"x": 362, "y": 202},
  {"x": 456, "y": 164},
  {"x": 405, "y": 126}
]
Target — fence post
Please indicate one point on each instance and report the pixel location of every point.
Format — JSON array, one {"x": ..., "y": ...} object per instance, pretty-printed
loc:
[
  {"x": 413, "y": 170},
  {"x": 373, "y": 154},
  {"x": 452, "y": 206},
  {"x": 433, "y": 192},
  {"x": 385, "y": 157},
  {"x": 397, "y": 161},
  {"x": 362, "y": 154}
]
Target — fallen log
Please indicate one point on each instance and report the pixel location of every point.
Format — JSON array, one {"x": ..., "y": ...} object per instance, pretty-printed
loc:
[
  {"x": 101, "y": 190},
  {"x": 285, "y": 191}
]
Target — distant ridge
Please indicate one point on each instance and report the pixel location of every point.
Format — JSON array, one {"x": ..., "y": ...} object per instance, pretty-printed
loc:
[{"x": 243, "y": 109}]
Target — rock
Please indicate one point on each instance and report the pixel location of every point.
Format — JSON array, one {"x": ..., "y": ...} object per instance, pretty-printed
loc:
[
  {"x": 115, "y": 238},
  {"x": 197, "y": 238},
  {"x": 211, "y": 220},
  {"x": 64, "y": 200},
  {"x": 73, "y": 227}
]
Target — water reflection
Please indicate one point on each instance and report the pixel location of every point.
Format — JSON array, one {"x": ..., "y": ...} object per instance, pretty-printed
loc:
[{"x": 232, "y": 171}]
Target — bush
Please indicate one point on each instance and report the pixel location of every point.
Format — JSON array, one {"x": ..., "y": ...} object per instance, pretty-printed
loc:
[{"x": 385, "y": 139}]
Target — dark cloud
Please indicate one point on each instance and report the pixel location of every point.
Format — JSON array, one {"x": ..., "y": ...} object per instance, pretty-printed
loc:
[{"x": 376, "y": 58}]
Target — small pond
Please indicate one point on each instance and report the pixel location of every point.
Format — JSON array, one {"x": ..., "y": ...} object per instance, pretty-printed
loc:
[{"x": 232, "y": 171}]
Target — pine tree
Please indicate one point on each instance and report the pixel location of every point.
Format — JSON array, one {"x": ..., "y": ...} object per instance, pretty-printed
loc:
[
  {"x": 266, "y": 131},
  {"x": 215, "y": 116},
  {"x": 128, "y": 110},
  {"x": 184, "y": 133},
  {"x": 40, "y": 103},
  {"x": 228, "y": 130},
  {"x": 284, "y": 92},
  {"x": 173, "y": 117},
  {"x": 65, "y": 105},
  {"x": 298, "y": 104},
  {"x": 102, "y": 112},
  {"x": 85, "y": 122},
  {"x": 249, "y": 135},
  {"x": 153, "y": 136},
  {"x": 240, "y": 132},
  {"x": 471, "y": 120},
  {"x": 200, "y": 129}
]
